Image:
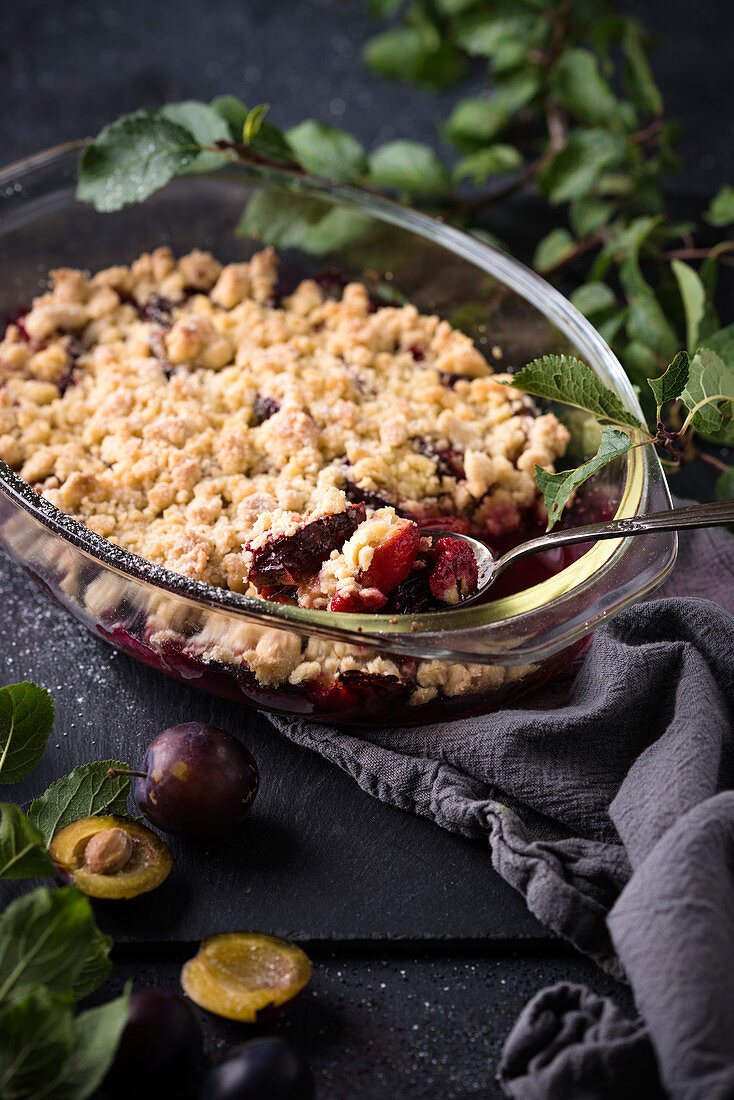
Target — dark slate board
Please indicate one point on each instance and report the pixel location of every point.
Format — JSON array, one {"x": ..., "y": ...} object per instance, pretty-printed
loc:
[{"x": 317, "y": 858}]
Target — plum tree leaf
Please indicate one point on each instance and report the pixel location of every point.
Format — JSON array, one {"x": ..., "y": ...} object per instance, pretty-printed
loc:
[
  {"x": 22, "y": 850},
  {"x": 569, "y": 380},
  {"x": 36, "y": 1038},
  {"x": 709, "y": 396},
  {"x": 47, "y": 938},
  {"x": 721, "y": 210},
  {"x": 670, "y": 385},
  {"x": 407, "y": 166},
  {"x": 85, "y": 791},
  {"x": 326, "y": 151},
  {"x": 26, "y": 720},
  {"x": 558, "y": 488},
  {"x": 693, "y": 293},
  {"x": 95, "y": 1039},
  {"x": 132, "y": 158}
]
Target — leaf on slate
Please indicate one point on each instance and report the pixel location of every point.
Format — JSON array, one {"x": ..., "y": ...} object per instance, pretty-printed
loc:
[
  {"x": 558, "y": 488},
  {"x": 207, "y": 126},
  {"x": 670, "y": 385},
  {"x": 22, "y": 851},
  {"x": 721, "y": 210},
  {"x": 45, "y": 939},
  {"x": 132, "y": 158},
  {"x": 407, "y": 166},
  {"x": 326, "y": 151},
  {"x": 82, "y": 793},
  {"x": 569, "y": 380},
  {"x": 96, "y": 966},
  {"x": 709, "y": 396},
  {"x": 26, "y": 720},
  {"x": 580, "y": 87},
  {"x": 96, "y": 1037},
  {"x": 693, "y": 293},
  {"x": 573, "y": 171},
  {"x": 554, "y": 248},
  {"x": 495, "y": 160},
  {"x": 234, "y": 113},
  {"x": 36, "y": 1038}
]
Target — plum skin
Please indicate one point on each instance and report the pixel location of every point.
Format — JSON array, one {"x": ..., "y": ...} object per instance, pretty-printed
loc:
[
  {"x": 266, "y": 1068},
  {"x": 199, "y": 781},
  {"x": 161, "y": 1047}
]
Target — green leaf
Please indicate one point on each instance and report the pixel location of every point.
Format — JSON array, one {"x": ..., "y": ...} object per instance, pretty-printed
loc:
[
  {"x": 382, "y": 9},
  {"x": 22, "y": 851},
  {"x": 46, "y": 1054},
  {"x": 507, "y": 40},
  {"x": 132, "y": 158},
  {"x": 638, "y": 78},
  {"x": 721, "y": 210},
  {"x": 588, "y": 215},
  {"x": 580, "y": 87},
  {"x": 207, "y": 126},
  {"x": 335, "y": 229},
  {"x": 722, "y": 342},
  {"x": 693, "y": 293},
  {"x": 554, "y": 248},
  {"x": 36, "y": 1038},
  {"x": 327, "y": 152},
  {"x": 46, "y": 938},
  {"x": 407, "y": 166},
  {"x": 572, "y": 172},
  {"x": 594, "y": 298},
  {"x": 709, "y": 396},
  {"x": 96, "y": 966},
  {"x": 495, "y": 160},
  {"x": 477, "y": 120},
  {"x": 454, "y": 7},
  {"x": 670, "y": 385},
  {"x": 234, "y": 113},
  {"x": 96, "y": 1037},
  {"x": 26, "y": 720},
  {"x": 84, "y": 792},
  {"x": 416, "y": 54},
  {"x": 291, "y": 221},
  {"x": 253, "y": 122},
  {"x": 725, "y": 485},
  {"x": 569, "y": 380},
  {"x": 558, "y": 488}
]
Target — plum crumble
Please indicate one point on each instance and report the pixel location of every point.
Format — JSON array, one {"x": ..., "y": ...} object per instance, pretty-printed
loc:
[{"x": 283, "y": 447}]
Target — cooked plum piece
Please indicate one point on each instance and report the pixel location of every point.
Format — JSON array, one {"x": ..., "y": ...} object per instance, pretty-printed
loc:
[
  {"x": 454, "y": 572},
  {"x": 292, "y": 559}
]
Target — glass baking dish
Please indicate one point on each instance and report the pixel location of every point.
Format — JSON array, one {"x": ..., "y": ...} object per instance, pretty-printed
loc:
[{"x": 360, "y": 668}]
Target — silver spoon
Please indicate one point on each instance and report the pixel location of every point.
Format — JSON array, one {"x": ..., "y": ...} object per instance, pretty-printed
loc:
[{"x": 718, "y": 514}]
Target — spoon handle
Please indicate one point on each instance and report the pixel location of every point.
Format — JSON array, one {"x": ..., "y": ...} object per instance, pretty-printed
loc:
[{"x": 718, "y": 514}]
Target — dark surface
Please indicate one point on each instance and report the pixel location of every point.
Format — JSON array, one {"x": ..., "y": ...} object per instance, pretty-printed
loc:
[{"x": 317, "y": 858}]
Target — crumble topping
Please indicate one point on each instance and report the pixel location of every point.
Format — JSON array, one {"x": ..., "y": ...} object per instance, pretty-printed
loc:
[{"x": 183, "y": 411}]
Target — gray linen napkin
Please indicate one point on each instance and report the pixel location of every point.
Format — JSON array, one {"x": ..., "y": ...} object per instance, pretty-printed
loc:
[{"x": 589, "y": 802}]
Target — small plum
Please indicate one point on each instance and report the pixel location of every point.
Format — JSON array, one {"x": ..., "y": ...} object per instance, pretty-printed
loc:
[
  {"x": 266, "y": 1068},
  {"x": 160, "y": 1050},
  {"x": 196, "y": 780}
]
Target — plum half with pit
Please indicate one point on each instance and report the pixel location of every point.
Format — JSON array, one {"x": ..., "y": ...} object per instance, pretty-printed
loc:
[
  {"x": 160, "y": 1050},
  {"x": 266, "y": 1068},
  {"x": 110, "y": 857},
  {"x": 196, "y": 780}
]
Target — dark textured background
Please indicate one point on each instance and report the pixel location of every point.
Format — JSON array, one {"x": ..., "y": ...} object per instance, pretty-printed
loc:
[{"x": 413, "y": 1019}]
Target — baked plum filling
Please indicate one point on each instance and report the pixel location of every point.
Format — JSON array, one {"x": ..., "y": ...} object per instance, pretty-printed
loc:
[
  {"x": 294, "y": 557},
  {"x": 351, "y": 562}
]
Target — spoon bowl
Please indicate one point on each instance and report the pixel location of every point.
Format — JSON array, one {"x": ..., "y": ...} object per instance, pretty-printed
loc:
[{"x": 718, "y": 514}]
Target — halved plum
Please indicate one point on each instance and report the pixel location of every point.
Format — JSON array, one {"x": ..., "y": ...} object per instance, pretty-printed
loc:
[
  {"x": 111, "y": 857},
  {"x": 293, "y": 559},
  {"x": 246, "y": 976}
]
